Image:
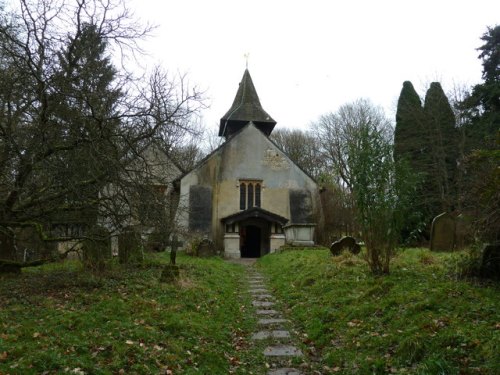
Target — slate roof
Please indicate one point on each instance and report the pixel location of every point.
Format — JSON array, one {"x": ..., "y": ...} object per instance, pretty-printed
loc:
[{"x": 246, "y": 107}]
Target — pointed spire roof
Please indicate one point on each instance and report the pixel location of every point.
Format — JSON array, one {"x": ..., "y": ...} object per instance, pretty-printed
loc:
[{"x": 246, "y": 107}]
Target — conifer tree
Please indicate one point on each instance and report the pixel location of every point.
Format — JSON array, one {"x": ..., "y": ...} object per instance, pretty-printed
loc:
[
  {"x": 409, "y": 125},
  {"x": 442, "y": 159}
]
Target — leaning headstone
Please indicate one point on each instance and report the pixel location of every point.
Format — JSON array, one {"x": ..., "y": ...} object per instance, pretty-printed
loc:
[
  {"x": 490, "y": 262},
  {"x": 130, "y": 247},
  {"x": 348, "y": 243},
  {"x": 443, "y": 233},
  {"x": 206, "y": 248}
]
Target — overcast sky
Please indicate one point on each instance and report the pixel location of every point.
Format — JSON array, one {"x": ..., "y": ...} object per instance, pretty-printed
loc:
[{"x": 307, "y": 58}]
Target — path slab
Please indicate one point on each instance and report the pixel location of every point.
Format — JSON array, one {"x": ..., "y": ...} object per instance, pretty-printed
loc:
[
  {"x": 259, "y": 290},
  {"x": 277, "y": 334},
  {"x": 284, "y": 371},
  {"x": 255, "y": 286},
  {"x": 282, "y": 351},
  {"x": 269, "y": 321},
  {"x": 262, "y": 303},
  {"x": 267, "y": 312},
  {"x": 263, "y": 296}
]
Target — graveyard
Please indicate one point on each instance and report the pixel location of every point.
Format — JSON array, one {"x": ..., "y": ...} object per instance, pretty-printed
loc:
[{"x": 60, "y": 318}]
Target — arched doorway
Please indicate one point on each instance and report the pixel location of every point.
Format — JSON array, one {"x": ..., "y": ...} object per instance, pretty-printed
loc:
[{"x": 251, "y": 242}]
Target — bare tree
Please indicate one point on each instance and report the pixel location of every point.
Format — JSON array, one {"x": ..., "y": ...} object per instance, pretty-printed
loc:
[
  {"x": 72, "y": 123},
  {"x": 357, "y": 139},
  {"x": 302, "y": 148}
]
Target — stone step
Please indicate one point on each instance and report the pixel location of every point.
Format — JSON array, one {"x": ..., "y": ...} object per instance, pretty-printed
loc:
[
  {"x": 282, "y": 351},
  {"x": 277, "y": 334},
  {"x": 262, "y": 303},
  {"x": 267, "y": 312},
  {"x": 259, "y": 290},
  {"x": 255, "y": 286},
  {"x": 262, "y": 296},
  {"x": 284, "y": 371},
  {"x": 270, "y": 321}
]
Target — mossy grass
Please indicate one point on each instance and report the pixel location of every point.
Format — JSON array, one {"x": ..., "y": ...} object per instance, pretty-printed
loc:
[
  {"x": 420, "y": 319},
  {"x": 60, "y": 318}
]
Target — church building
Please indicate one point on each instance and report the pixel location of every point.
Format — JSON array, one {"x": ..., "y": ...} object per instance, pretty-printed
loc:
[{"x": 247, "y": 196}]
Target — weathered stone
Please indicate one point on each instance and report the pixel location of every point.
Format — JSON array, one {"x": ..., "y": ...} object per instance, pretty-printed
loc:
[
  {"x": 262, "y": 303},
  {"x": 262, "y": 296},
  {"x": 490, "y": 262},
  {"x": 258, "y": 290},
  {"x": 206, "y": 248},
  {"x": 282, "y": 351},
  {"x": 284, "y": 371},
  {"x": 348, "y": 243},
  {"x": 271, "y": 321},
  {"x": 443, "y": 233},
  {"x": 267, "y": 312},
  {"x": 96, "y": 249},
  {"x": 276, "y": 334}
]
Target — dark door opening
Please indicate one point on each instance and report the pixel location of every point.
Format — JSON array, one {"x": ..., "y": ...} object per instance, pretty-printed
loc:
[{"x": 251, "y": 246}]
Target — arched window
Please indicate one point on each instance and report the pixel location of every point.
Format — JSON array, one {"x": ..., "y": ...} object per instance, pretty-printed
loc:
[
  {"x": 257, "y": 195},
  {"x": 250, "y": 196},
  {"x": 250, "y": 193},
  {"x": 243, "y": 195}
]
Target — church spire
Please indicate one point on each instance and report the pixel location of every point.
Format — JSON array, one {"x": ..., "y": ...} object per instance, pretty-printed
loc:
[{"x": 246, "y": 107}]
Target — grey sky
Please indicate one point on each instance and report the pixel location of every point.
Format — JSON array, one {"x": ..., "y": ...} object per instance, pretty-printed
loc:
[{"x": 310, "y": 57}]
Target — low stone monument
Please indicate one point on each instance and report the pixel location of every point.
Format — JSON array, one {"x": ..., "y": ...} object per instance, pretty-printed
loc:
[
  {"x": 443, "y": 233},
  {"x": 206, "y": 248},
  {"x": 348, "y": 243}
]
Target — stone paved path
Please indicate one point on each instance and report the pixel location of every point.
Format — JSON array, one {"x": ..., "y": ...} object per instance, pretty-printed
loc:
[{"x": 273, "y": 329}]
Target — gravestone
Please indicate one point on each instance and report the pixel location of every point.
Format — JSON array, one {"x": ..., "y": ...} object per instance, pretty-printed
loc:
[
  {"x": 345, "y": 243},
  {"x": 96, "y": 249},
  {"x": 130, "y": 247},
  {"x": 443, "y": 233},
  {"x": 206, "y": 248},
  {"x": 490, "y": 262}
]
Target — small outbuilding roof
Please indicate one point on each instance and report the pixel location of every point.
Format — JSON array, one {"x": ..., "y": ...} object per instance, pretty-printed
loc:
[{"x": 246, "y": 107}]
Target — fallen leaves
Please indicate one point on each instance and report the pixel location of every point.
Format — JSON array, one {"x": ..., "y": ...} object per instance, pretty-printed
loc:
[{"x": 3, "y": 356}]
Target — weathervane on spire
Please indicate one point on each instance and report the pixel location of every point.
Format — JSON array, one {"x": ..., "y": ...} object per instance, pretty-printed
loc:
[{"x": 247, "y": 55}]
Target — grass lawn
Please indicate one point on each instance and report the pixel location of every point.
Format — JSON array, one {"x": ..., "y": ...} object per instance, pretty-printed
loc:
[
  {"x": 60, "y": 319},
  {"x": 417, "y": 320}
]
